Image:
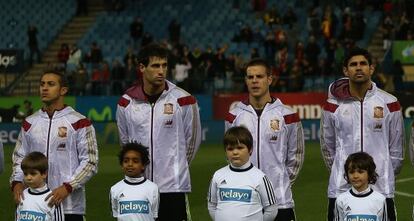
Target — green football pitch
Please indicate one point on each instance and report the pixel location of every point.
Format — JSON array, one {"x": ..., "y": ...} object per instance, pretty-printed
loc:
[{"x": 309, "y": 189}]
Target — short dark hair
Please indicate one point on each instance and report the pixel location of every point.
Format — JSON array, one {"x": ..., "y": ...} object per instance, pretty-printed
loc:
[
  {"x": 258, "y": 62},
  {"x": 152, "y": 50},
  {"x": 363, "y": 161},
  {"x": 143, "y": 150},
  {"x": 357, "y": 51},
  {"x": 35, "y": 161},
  {"x": 62, "y": 78},
  {"x": 238, "y": 135}
]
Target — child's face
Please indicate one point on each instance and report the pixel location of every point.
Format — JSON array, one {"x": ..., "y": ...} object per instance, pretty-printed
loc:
[
  {"x": 238, "y": 154},
  {"x": 358, "y": 178},
  {"x": 132, "y": 164},
  {"x": 34, "y": 179}
]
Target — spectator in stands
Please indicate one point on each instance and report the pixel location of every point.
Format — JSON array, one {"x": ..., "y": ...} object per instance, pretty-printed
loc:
[
  {"x": 254, "y": 53},
  {"x": 94, "y": 56},
  {"x": 403, "y": 27},
  {"x": 130, "y": 55},
  {"x": 269, "y": 47},
  {"x": 117, "y": 77},
  {"x": 80, "y": 81},
  {"x": 289, "y": 18},
  {"x": 181, "y": 73},
  {"x": 280, "y": 39},
  {"x": 271, "y": 17},
  {"x": 258, "y": 36},
  {"x": 28, "y": 110},
  {"x": 398, "y": 73},
  {"x": 359, "y": 26},
  {"x": 312, "y": 51},
  {"x": 63, "y": 55},
  {"x": 296, "y": 77},
  {"x": 100, "y": 79},
  {"x": 174, "y": 30},
  {"x": 146, "y": 39},
  {"x": 136, "y": 29},
  {"x": 246, "y": 34},
  {"x": 75, "y": 56},
  {"x": 299, "y": 52},
  {"x": 131, "y": 73},
  {"x": 313, "y": 22},
  {"x": 8, "y": 114},
  {"x": 33, "y": 44}
]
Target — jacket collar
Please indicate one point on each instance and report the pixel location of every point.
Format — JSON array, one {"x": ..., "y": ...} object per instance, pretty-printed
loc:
[
  {"x": 275, "y": 102},
  {"x": 339, "y": 89},
  {"x": 137, "y": 91},
  {"x": 58, "y": 113}
]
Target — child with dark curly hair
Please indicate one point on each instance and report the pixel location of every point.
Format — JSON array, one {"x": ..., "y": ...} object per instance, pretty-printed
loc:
[{"x": 361, "y": 202}]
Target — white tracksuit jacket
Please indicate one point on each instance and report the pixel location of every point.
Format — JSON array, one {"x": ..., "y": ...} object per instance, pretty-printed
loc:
[
  {"x": 278, "y": 144},
  {"x": 68, "y": 140},
  {"x": 374, "y": 125},
  {"x": 171, "y": 130}
]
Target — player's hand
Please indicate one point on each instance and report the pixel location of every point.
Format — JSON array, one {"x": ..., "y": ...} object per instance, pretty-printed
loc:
[
  {"x": 18, "y": 192},
  {"x": 57, "y": 196}
]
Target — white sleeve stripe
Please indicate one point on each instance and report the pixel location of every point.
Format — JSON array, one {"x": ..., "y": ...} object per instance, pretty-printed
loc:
[
  {"x": 209, "y": 190},
  {"x": 89, "y": 169},
  {"x": 385, "y": 214},
  {"x": 269, "y": 190},
  {"x": 58, "y": 213}
]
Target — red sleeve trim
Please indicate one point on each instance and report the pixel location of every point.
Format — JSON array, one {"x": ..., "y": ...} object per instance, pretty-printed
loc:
[
  {"x": 123, "y": 102},
  {"x": 291, "y": 118},
  {"x": 85, "y": 122},
  {"x": 26, "y": 125},
  {"x": 182, "y": 101},
  {"x": 330, "y": 107},
  {"x": 230, "y": 117},
  {"x": 394, "y": 106}
]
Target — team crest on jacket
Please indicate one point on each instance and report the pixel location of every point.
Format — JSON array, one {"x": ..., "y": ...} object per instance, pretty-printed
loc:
[
  {"x": 168, "y": 108},
  {"x": 378, "y": 112},
  {"x": 274, "y": 124},
  {"x": 62, "y": 132}
]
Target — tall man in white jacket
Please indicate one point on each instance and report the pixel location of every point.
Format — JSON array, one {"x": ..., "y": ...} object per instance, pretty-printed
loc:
[
  {"x": 278, "y": 142},
  {"x": 165, "y": 118},
  {"x": 358, "y": 116},
  {"x": 68, "y": 140}
]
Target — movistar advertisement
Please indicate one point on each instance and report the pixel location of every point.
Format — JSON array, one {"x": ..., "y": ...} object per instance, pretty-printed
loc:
[{"x": 403, "y": 51}]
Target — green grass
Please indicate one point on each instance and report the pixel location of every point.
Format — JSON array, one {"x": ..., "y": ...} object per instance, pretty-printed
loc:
[{"x": 309, "y": 190}]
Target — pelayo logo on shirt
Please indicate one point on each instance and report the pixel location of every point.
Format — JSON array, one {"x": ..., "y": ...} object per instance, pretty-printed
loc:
[
  {"x": 361, "y": 217},
  {"x": 137, "y": 206},
  {"x": 231, "y": 194},
  {"x": 26, "y": 215}
]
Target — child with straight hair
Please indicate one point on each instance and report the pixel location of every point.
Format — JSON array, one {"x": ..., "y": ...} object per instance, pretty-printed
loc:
[
  {"x": 34, "y": 205},
  {"x": 361, "y": 202},
  {"x": 240, "y": 191},
  {"x": 134, "y": 198}
]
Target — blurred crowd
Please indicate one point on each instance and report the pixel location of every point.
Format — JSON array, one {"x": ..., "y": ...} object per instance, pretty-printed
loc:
[{"x": 296, "y": 63}]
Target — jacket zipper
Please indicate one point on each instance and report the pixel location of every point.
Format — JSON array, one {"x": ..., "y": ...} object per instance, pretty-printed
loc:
[
  {"x": 152, "y": 143},
  {"x": 258, "y": 142},
  {"x": 362, "y": 125},
  {"x": 48, "y": 143}
]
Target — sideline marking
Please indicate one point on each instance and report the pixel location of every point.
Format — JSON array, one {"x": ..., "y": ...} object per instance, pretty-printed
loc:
[
  {"x": 404, "y": 180},
  {"x": 404, "y": 194}
]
